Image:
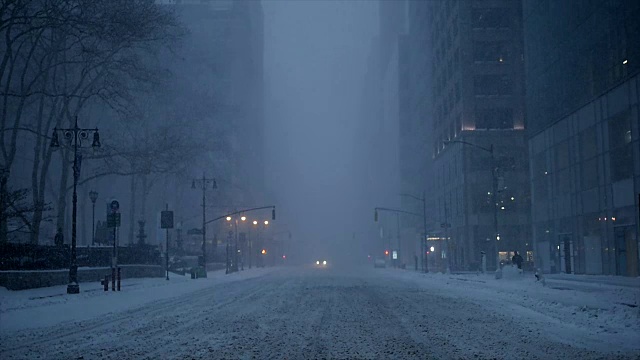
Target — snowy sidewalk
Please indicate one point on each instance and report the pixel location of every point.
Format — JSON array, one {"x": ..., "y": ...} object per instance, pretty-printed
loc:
[
  {"x": 590, "y": 311},
  {"x": 49, "y": 306}
]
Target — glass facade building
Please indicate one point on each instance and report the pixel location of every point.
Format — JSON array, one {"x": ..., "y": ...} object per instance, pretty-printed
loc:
[{"x": 581, "y": 64}]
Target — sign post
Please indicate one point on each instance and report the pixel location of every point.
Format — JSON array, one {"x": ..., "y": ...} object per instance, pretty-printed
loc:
[{"x": 166, "y": 222}]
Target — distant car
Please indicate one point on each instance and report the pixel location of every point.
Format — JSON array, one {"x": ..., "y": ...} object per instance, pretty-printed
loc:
[
  {"x": 321, "y": 263},
  {"x": 379, "y": 263}
]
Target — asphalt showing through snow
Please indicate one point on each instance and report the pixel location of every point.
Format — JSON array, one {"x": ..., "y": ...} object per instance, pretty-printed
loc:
[{"x": 297, "y": 313}]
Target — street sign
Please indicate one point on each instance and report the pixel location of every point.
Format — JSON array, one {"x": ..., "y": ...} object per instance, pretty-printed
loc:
[
  {"x": 395, "y": 255},
  {"x": 166, "y": 219},
  {"x": 113, "y": 220},
  {"x": 115, "y": 206}
]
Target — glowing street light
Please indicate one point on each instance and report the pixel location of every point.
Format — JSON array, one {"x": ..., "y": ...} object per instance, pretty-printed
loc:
[
  {"x": 243, "y": 218},
  {"x": 255, "y": 222},
  {"x": 266, "y": 222},
  {"x": 228, "y": 218}
]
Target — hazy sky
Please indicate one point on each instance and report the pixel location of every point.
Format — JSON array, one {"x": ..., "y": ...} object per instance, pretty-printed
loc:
[{"x": 315, "y": 60}]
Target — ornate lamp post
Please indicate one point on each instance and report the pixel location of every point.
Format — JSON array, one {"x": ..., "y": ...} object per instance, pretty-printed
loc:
[
  {"x": 75, "y": 136},
  {"x": 93, "y": 195},
  {"x": 203, "y": 184}
]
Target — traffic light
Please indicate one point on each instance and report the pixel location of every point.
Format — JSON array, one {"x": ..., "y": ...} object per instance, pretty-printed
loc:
[{"x": 386, "y": 252}]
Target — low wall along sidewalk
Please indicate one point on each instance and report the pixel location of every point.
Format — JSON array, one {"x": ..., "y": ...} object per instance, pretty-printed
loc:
[{"x": 30, "y": 279}]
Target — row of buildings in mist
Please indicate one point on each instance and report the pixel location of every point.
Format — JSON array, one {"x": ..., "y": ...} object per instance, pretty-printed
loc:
[{"x": 519, "y": 122}]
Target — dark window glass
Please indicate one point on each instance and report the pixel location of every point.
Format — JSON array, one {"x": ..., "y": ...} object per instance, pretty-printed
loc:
[
  {"x": 494, "y": 118},
  {"x": 491, "y": 51},
  {"x": 563, "y": 181},
  {"x": 539, "y": 166},
  {"x": 621, "y": 151},
  {"x": 588, "y": 143},
  {"x": 590, "y": 174},
  {"x": 493, "y": 85},
  {"x": 562, "y": 155},
  {"x": 540, "y": 190},
  {"x": 481, "y": 201},
  {"x": 491, "y": 18}
]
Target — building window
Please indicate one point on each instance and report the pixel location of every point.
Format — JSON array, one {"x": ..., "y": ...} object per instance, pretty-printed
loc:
[
  {"x": 491, "y": 18},
  {"x": 481, "y": 201},
  {"x": 492, "y": 85},
  {"x": 620, "y": 149},
  {"x": 491, "y": 51},
  {"x": 540, "y": 190},
  {"x": 588, "y": 143},
  {"x": 494, "y": 118},
  {"x": 590, "y": 174},
  {"x": 562, "y": 155}
]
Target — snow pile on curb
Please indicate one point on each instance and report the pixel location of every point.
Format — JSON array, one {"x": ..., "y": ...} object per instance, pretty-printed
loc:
[{"x": 42, "y": 307}]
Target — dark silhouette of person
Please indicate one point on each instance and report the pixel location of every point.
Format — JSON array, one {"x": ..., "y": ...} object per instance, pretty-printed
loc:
[
  {"x": 517, "y": 259},
  {"x": 58, "y": 240}
]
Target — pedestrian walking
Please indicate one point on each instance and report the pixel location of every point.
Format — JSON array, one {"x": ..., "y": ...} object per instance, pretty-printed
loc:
[{"x": 517, "y": 260}]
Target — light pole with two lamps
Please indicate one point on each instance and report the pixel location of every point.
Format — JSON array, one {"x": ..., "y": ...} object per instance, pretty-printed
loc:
[
  {"x": 255, "y": 225},
  {"x": 75, "y": 136},
  {"x": 234, "y": 267}
]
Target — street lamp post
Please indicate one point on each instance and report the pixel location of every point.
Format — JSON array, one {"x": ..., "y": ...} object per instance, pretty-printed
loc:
[
  {"x": 234, "y": 268},
  {"x": 423, "y": 240},
  {"x": 243, "y": 218},
  {"x": 255, "y": 224},
  {"x": 93, "y": 195},
  {"x": 494, "y": 192},
  {"x": 203, "y": 184},
  {"x": 75, "y": 136}
]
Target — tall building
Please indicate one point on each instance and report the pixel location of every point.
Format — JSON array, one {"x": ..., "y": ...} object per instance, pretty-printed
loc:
[
  {"x": 582, "y": 60},
  {"x": 415, "y": 143},
  {"x": 393, "y": 71},
  {"x": 221, "y": 61},
  {"x": 480, "y": 193}
]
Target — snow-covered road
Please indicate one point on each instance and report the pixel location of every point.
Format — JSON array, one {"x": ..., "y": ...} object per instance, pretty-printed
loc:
[{"x": 302, "y": 313}]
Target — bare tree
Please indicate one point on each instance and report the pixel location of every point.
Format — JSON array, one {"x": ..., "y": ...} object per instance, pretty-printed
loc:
[{"x": 62, "y": 55}]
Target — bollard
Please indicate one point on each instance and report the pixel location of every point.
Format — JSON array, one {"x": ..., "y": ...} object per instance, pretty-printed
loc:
[
  {"x": 113, "y": 279},
  {"x": 119, "y": 277},
  {"x": 105, "y": 283}
]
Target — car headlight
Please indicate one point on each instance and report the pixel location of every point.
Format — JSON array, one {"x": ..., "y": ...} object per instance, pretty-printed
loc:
[
  {"x": 318, "y": 262},
  {"x": 324, "y": 262}
]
